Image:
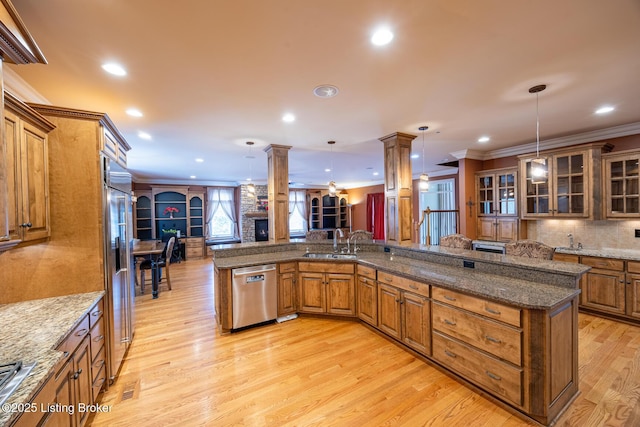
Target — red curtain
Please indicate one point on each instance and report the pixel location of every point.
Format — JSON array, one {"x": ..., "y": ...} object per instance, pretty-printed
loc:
[{"x": 375, "y": 215}]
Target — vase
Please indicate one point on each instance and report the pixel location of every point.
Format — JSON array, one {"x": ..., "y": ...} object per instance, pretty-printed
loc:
[{"x": 170, "y": 215}]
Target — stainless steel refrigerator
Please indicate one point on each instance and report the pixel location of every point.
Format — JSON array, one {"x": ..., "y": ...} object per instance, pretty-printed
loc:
[{"x": 119, "y": 272}]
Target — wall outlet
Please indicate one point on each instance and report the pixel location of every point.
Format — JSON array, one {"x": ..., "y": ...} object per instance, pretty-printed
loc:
[
  {"x": 637, "y": 233},
  {"x": 387, "y": 249},
  {"x": 468, "y": 264}
]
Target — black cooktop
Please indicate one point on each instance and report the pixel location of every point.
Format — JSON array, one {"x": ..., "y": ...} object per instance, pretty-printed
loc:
[{"x": 7, "y": 371}]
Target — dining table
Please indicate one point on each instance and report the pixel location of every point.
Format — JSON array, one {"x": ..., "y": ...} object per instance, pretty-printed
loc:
[{"x": 152, "y": 249}]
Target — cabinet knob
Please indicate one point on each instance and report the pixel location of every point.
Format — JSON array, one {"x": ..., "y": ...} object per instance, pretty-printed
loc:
[
  {"x": 76, "y": 375},
  {"x": 26, "y": 225}
]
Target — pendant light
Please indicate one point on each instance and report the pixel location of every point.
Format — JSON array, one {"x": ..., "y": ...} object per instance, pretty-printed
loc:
[
  {"x": 332, "y": 184},
  {"x": 423, "y": 184},
  {"x": 539, "y": 168},
  {"x": 251, "y": 187}
]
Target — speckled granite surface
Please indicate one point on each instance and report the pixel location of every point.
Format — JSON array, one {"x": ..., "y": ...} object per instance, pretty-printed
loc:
[
  {"x": 627, "y": 254},
  {"x": 529, "y": 289},
  {"x": 31, "y": 330}
]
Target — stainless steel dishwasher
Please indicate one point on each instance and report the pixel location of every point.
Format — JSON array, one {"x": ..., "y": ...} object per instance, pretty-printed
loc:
[{"x": 255, "y": 295}]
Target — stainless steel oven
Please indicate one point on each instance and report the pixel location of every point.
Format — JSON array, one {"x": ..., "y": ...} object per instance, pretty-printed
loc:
[{"x": 489, "y": 247}]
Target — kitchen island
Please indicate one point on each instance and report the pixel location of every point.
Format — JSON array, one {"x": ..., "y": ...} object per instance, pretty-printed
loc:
[{"x": 505, "y": 326}]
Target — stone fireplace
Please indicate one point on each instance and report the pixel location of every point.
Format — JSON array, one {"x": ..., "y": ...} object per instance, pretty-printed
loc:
[{"x": 250, "y": 213}]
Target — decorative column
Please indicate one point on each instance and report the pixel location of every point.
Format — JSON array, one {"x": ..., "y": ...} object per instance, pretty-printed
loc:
[
  {"x": 398, "y": 190},
  {"x": 278, "y": 192}
]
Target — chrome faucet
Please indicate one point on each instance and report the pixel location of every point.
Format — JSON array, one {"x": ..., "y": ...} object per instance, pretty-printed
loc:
[
  {"x": 335, "y": 238},
  {"x": 355, "y": 243},
  {"x": 570, "y": 236}
]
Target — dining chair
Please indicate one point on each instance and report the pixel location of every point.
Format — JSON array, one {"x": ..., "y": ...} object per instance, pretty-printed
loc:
[
  {"x": 163, "y": 262},
  {"x": 457, "y": 241},
  {"x": 529, "y": 249}
]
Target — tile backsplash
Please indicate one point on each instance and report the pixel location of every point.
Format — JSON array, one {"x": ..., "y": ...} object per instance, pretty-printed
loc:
[{"x": 592, "y": 234}]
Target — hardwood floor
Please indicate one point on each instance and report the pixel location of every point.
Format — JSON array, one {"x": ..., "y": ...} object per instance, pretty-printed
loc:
[{"x": 322, "y": 372}]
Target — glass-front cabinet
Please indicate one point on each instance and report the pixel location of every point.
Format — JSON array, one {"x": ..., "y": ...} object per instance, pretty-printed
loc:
[
  {"x": 622, "y": 184},
  {"x": 328, "y": 212},
  {"x": 497, "y": 196},
  {"x": 572, "y": 188}
]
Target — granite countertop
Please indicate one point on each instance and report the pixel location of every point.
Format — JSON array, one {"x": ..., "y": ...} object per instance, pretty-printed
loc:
[
  {"x": 523, "y": 293},
  {"x": 31, "y": 330},
  {"x": 626, "y": 254}
]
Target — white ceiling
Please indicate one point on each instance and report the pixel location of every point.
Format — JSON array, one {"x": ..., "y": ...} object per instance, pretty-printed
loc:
[{"x": 210, "y": 75}]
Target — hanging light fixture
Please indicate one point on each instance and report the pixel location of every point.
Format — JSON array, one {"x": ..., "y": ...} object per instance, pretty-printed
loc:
[
  {"x": 423, "y": 184},
  {"x": 251, "y": 187},
  {"x": 539, "y": 168},
  {"x": 332, "y": 184}
]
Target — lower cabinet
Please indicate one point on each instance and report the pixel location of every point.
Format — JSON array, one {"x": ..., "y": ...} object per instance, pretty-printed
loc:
[
  {"x": 498, "y": 228},
  {"x": 287, "y": 288},
  {"x": 403, "y": 314},
  {"x": 367, "y": 295},
  {"x": 327, "y": 288}
]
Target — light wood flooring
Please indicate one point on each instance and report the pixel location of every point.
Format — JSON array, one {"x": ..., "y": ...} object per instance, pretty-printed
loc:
[{"x": 321, "y": 372}]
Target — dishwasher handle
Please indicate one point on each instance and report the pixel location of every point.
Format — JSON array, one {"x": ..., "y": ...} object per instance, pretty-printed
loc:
[{"x": 253, "y": 270}]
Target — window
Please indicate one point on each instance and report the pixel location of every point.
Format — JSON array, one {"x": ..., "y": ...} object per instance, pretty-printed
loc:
[
  {"x": 441, "y": 196},
  {"x": 222, "y": 223},
  {"x": 297, "y": 213}
]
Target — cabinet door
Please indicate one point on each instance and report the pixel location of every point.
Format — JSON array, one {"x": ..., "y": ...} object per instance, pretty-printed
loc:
[
  {"x": 487, "y": 228},
  {"x": 416, "y": 324},
  {"x": 535, "y": 198},
  {"x": 570, "y": 180},
  {"x": 506, "y": 229},
  {"x": 633, "y": 295},
  {"x": 604, "y": 290},
  {"x": 341, "y": 298},
  {"x": 622, "y": 186},
  {"x": 486, "y": 199},
  {"x": 367, "y": 300},
  {"x": 389, "y": 316},
  {"x": 64, "y": 397},
  {"x": 286, "y": 293},
  {"x": 312, "y": 292},
  {"x": 506, "y": 194},
  {"x": 82, "y": 379}
]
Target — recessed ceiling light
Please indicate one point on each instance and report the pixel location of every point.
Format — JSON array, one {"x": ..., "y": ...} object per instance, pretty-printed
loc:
[
  {"x": 325, "y": 91},
  {"x": 382, "y": 37},
  {"x": 484, "y": 139},
  {"x": 605, "y": 109},
  {"x": 288, "y": 118},
  {"x": 415, "y": 156},
  {"x": 327, "y": 170},
  {"x": 144, "y": 135},
  {"x": 115, "y": 69},
  {"x": 199, "y": 160},
  {"x": 134, "y": 112},
  {"x": 376, "y": 174},
  {"x": 193, "y": 177}
]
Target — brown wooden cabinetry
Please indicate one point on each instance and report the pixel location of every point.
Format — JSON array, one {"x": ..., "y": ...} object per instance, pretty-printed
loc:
[
  {"x": 287, "y": 288},
  {"x": 328, "y": 212},
  {"x": 367, "y": 295},
  {"x": 622, "y": 184},
  {"x": 27, "y": 171},
  {"x": 573, "y": 188},
  {"x": 497, "y": 195},
  {"x": 404, "y": 311},
  {"x": 326, "y": 288}
]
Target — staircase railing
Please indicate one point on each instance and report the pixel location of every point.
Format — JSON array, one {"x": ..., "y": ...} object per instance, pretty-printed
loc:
[{"x": 437, "y": 223}]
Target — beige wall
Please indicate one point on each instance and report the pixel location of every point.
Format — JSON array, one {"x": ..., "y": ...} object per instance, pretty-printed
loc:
[{"x": 592, "y": 234}]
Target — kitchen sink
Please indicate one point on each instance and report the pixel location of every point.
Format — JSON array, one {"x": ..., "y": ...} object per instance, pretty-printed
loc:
[{"x": 330, "y": 256}]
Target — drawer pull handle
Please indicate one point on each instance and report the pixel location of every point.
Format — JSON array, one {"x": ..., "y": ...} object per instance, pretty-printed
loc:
[
  {"x": 447, "y": 297},
  {"x": 492, "y": 311},
  {"x": 99, "y": 364},
  {"x": 449, "y": 322},
  {"x": 493, "y": 376},
  {"x": 98, "y": 338},
  {"x": 448, "y": 353},
  {"x": 492, "y": 339},
  {"x": 413, "y": 287},
  {"x": 65, "y": 354},
  {"x": 388, "y": 279},
  {"x": 97, "y": 313},
  {"x": 76, "y": 375},
  {"x": 81, "y": 332}
]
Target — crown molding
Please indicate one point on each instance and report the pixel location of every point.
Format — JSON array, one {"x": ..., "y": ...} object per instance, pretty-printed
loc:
[
  {"x": 22, "y": 90},
  {"x": 469, "y": 154}
]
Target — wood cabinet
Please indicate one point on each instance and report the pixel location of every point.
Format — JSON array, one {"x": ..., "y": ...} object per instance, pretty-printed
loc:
[
  {"x": 287, "y": 273},
  {"x": 328, "y": 212},
  {"x": 622, "y": 184},
  {"x": 194, "y": 247},
  {"x": 326, "y": 288},
  {"x": 43, "y": 398},
  {"x": 27, "y": 171},
  {"x": 404, "y": 311},
  {"x": 143, "y": 216},
  {"x": 633, "y": 289},
  {"x": 367, "y": 294},
  {"x": 497, "y": 195},
  {"x": 573, "y": 188}
]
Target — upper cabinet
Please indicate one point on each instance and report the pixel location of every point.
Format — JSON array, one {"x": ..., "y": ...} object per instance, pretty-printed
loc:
[
  {"x": 573, "y": 187},
  {"x": 622, "y": 184},
  {"x": 27, "y": 173},
  {"x": 497, "y": 196},
  {"x": 327, "y": 211}
]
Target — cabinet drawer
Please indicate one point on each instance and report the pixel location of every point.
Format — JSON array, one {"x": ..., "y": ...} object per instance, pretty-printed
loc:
[
  {"x": 287, "y": 267},
  {"x": 325, "y": 267},
  {"x": 405, "y": 284},
  {"x": 604, "y": 263},
  {"x": 566, "y": 257},
  {"x": 503, "y": 313},
  {"x": 194, "y": 242},
  {"x": 365, "y": 271},
  {"x": 498, "y": 377},
  {"x": 500, "y": 340},
  {"x": 76, "y": 336},
  {"x": 96, "y": 313},
  {"x": 194, "y": 253},
  {"x": 97, "y": 338},
  {"x": 633, "y": 266},
  {"x": 98, "y": 382},
  {"x": 98, "y": 363}
]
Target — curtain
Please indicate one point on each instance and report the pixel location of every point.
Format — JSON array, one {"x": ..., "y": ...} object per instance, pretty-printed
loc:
[
  {"x": 223, "y": 198},
  {"x": 375, "y": 215},
  {"x": 298, "y": 202}
]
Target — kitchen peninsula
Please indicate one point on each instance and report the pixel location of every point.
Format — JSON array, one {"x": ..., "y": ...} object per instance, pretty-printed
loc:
[{"x": 505, "y": 326}]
